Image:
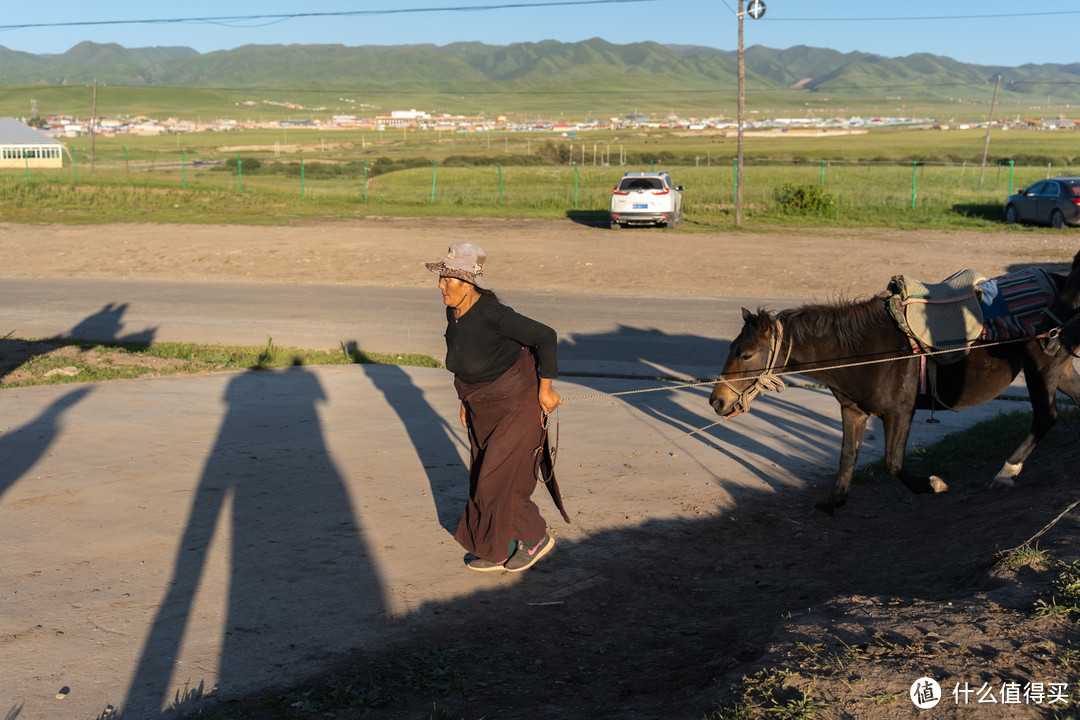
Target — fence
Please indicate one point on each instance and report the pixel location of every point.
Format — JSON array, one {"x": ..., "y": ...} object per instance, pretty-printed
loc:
[{"x": 859, "y": 188}]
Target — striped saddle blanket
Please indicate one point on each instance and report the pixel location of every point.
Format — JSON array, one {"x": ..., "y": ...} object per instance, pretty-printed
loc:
[{"x": 1012, "y": 305}]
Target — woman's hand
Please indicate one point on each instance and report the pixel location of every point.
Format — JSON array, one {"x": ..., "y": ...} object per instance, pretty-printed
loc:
[
  {"x": 464, "y": 416},
  {"x": 549, "y": 399}
]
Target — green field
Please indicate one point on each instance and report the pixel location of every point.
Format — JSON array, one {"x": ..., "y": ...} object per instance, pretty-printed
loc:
[
  {"x": 903, "y": 177},
  {"x": 575, "y": 105}
]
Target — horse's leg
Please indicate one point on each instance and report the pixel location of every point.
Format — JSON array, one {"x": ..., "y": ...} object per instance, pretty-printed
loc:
[
  {"x": 854, "y": 427},
  {"x": 1069, "y": 383},
  {"x": 897, "y": 427},
  {"x": 1043, "y": 415}
]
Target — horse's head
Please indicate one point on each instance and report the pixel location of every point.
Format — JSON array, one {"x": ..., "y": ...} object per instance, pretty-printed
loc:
[
  {"x": 751, "y": 354},
  {"x": 1062, "y": 319}
]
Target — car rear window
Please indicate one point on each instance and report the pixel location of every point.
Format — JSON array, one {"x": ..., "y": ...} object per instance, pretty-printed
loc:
[
  {"x": 641, "y": 184},
  {"x": 1074, "y": 188}
]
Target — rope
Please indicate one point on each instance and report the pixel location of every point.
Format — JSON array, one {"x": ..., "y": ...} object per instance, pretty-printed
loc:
[
  {"x": 769, "y": 380},
  {"x": 1036, "y": 536},
  {"x": 643, "y": 450},
  {"x": 763, "y": 376}
]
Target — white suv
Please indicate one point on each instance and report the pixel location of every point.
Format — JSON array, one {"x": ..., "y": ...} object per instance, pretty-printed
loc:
[{"x": 646, "y": 198}]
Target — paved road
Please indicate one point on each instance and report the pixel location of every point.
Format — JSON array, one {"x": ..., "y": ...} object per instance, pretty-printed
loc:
[
  {"x": 136, "y": 516},
  {"x": 613, "y": 334}
]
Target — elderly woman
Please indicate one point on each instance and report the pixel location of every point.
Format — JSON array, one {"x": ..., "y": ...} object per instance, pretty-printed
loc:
[{"x": 503, "y": 365}]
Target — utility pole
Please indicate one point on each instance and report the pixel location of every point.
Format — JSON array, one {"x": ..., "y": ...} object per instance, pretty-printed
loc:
[
  {"x": 739, "y": 121},
  {"x": 989, "y": 122},
  {"x": 93, "y": 122},
  {"x": 755, "y": 11}
]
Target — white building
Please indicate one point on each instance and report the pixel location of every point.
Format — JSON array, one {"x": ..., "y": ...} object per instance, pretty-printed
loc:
[{"x": 23, "y": 146}]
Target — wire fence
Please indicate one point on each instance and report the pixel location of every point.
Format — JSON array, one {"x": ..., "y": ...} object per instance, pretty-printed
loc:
[{"x": 710, "y": 183}]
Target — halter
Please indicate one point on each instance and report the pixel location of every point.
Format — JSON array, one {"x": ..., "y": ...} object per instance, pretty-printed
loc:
[{"x": 767, "y": 380}]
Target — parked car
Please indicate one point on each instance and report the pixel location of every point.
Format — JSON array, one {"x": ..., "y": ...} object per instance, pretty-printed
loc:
[
  {"x": 646, "y": 198},
  {"x": 1054, "y": 202}
]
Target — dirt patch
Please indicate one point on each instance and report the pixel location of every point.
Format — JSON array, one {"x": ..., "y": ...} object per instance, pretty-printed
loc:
[
  {"x": 827, "y": 617},
  {"x": 25, "y": 362},
  {"x": 552, "y": 255}
]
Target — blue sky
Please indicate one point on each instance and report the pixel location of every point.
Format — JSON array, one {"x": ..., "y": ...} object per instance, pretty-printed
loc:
[{"x": 987, "y": 32}]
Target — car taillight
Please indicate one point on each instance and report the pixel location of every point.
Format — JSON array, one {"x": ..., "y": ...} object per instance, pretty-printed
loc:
[
  {"x": 617, "y": 191},
  {"x": 660, "y": 192},
  {"x": 1076, "y": 200}
]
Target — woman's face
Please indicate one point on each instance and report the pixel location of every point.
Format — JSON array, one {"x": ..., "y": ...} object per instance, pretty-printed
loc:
[{"x": 455, "y": 290}]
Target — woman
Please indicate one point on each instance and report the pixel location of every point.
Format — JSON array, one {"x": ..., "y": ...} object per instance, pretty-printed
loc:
[{"x": 495, "y": 355}]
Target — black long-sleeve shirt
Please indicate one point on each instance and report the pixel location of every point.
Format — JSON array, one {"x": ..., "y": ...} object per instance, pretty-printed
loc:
[{"x": 486, "y": 341}]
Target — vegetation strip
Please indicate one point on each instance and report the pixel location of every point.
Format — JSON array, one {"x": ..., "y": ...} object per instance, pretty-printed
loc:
[{"x": 56, "y": 361}]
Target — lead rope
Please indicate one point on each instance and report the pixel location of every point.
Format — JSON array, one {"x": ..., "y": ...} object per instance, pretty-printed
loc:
[{"x": 769, "y": 379}]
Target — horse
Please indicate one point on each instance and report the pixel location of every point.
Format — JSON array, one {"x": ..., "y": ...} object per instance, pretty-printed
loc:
[
  {"x": 857, "y": 350},
  {"x": 1060, "y": 326}
]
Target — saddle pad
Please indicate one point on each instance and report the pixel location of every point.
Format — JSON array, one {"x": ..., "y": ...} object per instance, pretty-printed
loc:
[
  {"x": 1013, "y": 304},
  {"x": 945, "y": 315}
]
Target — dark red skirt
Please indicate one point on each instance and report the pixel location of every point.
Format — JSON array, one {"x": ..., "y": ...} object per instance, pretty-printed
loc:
[{"x": 504, "y": 419}]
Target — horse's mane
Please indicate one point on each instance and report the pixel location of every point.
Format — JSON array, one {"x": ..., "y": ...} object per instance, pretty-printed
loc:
[{"x": 849, "y": 321}]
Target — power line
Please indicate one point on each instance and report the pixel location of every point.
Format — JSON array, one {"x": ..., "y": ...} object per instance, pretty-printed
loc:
[
  {"x": 299, "y": 15},
  {"x": 774, "y": 18}
]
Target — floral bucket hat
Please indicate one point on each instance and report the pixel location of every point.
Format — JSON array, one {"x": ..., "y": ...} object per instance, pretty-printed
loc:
[{"x": 465, "y": 261}]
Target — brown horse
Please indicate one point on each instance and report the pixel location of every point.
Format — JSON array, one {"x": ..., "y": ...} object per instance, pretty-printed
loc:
[
  {"x": 1061, "y": 321},
  {"x": 857, "y": 350}
]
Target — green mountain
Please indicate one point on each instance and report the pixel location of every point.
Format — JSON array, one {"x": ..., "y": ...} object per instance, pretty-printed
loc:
[{"x": 590, "y": 67}]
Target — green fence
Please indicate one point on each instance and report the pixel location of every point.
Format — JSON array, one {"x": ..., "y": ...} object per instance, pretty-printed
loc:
[{"x": 860, "y": 189}]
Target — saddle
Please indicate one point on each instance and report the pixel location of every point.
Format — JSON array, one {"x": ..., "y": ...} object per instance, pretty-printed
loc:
[{"x": 945, "y": 316}]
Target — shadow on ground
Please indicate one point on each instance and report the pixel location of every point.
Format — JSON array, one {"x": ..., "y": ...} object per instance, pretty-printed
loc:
[{"x": 662, "y": 619}]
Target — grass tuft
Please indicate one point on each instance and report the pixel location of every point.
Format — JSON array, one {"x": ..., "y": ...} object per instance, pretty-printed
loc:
[{"x": 59, "y": 361}]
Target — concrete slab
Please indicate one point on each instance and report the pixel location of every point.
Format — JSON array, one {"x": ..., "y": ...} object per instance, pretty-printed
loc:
[{"x": 160, "y": 538}]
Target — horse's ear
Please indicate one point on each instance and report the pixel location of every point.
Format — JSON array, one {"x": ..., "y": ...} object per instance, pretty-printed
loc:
[{"x": 746, "y": 314}]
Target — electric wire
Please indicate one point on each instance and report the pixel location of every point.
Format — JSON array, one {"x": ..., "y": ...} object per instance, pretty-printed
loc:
[{"x": 278, "y": 17}]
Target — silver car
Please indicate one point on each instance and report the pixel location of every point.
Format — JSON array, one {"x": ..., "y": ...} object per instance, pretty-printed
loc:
[
  {"x": 646, "y": 198},
  {"x": 1054, "y": 202}
]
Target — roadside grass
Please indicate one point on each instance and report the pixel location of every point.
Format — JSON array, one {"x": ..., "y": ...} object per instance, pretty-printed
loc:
[
  {"x": 59, "y": 361},
  {"x": 882, "y": 197},
  {"x": 902, "y": 178}
]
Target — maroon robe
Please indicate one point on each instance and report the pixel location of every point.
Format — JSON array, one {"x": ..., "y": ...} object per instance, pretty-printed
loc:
[{"x": 504, "y": 417}]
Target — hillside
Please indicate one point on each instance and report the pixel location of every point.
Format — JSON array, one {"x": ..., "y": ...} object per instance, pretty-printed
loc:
[{"x": 590, "y": 66}]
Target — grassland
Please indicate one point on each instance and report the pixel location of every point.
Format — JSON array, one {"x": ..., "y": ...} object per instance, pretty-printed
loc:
[
  {"x": 573, "y": 101},
  {"x": 901, "y": 177}
]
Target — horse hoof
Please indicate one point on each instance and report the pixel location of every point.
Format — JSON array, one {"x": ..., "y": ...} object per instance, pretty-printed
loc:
[
  {"x": 1004, "y": 478},
  {"x": 938, "y": 485}
]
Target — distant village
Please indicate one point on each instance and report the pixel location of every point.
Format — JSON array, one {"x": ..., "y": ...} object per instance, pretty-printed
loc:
[{"x": 70, "y": 126}]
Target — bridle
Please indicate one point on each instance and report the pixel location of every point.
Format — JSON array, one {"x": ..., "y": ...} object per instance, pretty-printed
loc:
[
  {"x": 1052, "y": 339},
  {"x": 767, "y": 379}
]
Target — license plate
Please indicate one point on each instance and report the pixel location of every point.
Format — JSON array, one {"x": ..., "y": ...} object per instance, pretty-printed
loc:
[{"x": 641, "y": 206}]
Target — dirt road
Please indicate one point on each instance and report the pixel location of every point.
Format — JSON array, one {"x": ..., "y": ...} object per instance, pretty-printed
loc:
[{"x": 530, "y": 255}]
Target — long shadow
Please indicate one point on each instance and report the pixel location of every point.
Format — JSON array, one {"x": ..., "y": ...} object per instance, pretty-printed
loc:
[
  {"x": 22, "y": 447},
  {"x": 591, "y": 218},
  {"x": 103, "y": 326},
  {"x": 106, "y": 324},
  {"x": 439, "y": 448},
  {"x": 994, "y": 212},
  {"x": 659, "y": 631},
  {"x": 646, "y": 350},
  {"x": 293, "y": 535}
]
